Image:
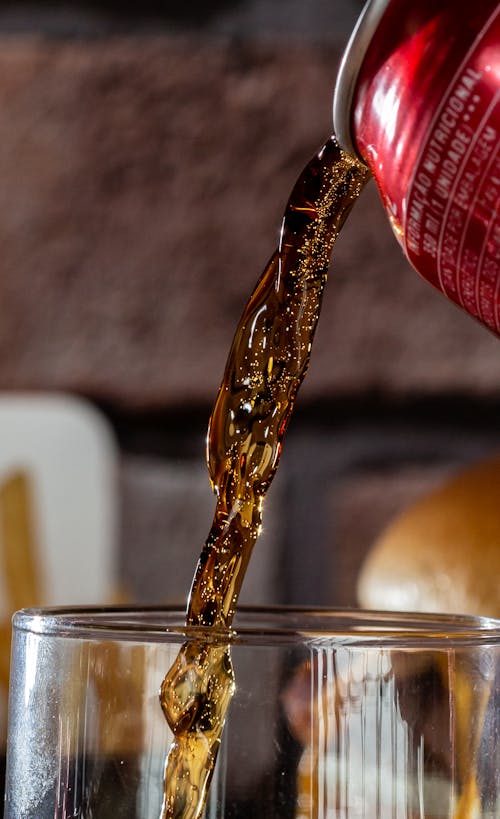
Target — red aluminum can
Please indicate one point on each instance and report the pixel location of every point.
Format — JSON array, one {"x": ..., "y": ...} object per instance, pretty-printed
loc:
[{"x": 418, "y": 100}]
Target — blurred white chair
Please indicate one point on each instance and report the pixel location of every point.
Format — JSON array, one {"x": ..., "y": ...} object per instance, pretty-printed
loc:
[{"x": 58, "y": 510}]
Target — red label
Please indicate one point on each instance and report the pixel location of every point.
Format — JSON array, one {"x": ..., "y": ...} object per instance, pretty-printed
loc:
[{"x": 452, "y": 223}]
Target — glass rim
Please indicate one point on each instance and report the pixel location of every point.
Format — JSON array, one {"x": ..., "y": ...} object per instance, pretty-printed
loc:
[{"x": 264, "y": 626}]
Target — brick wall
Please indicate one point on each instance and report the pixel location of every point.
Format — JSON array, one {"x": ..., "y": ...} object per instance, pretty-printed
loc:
[{"x": 143, "y": 173}]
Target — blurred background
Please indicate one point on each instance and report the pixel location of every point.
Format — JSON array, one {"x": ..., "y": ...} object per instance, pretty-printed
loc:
[{"x": 146, "y": 154}]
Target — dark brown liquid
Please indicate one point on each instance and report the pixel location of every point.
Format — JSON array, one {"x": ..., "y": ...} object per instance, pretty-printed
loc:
[{"x": 266, "y": 365}]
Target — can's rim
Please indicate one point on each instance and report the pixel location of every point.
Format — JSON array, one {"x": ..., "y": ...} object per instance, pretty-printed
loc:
[{"x": 350, "y": 66}]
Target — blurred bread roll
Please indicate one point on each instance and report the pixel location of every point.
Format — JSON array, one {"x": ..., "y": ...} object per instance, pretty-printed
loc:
[{"x": 442, "y": 554}]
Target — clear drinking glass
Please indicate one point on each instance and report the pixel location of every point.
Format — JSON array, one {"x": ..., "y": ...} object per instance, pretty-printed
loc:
[{"x": 336, "y": 715}]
